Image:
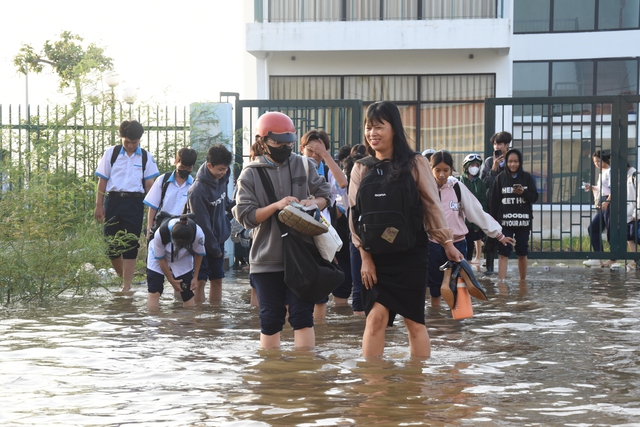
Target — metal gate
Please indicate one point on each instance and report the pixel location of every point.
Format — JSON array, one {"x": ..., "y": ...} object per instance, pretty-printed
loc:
[
  {"x": 557, "y": 136},
  {"x": 341, "y": 119}
]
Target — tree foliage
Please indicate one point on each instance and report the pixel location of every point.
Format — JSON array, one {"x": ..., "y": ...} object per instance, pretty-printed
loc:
[{"x": 71, "y": 61}]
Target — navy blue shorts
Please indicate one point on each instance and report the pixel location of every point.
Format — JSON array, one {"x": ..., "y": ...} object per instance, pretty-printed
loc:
[
  {"x": 155, "y": 284},
  {"x": 211, "y": 268},
  {"x": 273, "y": 296},
  {"x": 123, "y": 214},
  {"x": 521, "y": 234}
]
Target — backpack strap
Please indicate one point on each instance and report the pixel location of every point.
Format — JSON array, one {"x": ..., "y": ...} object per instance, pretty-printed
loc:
[
  {"x": 268, "y": 185},
  {"x": 165, "y": 185},
  {"x": 115, "y": 154},
  {"x": 456, "y": 188},
  {"x": 271, "y": 194}
]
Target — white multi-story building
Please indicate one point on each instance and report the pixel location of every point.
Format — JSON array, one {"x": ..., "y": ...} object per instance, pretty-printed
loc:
[{"x": 439, "y": 59}]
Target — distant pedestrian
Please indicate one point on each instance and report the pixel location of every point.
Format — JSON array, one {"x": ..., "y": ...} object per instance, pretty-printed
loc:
[
  {"x": 514, "y": 192},
  {"x": 602, "y": 203}
]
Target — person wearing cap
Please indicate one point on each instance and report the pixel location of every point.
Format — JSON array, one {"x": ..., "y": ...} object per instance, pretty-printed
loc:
[
  {"x": 123, "y": 180},
  {"x": 274, "y": 139},
  {"x": 471, "y": 179},
  {"x": 208, "y": 200}
]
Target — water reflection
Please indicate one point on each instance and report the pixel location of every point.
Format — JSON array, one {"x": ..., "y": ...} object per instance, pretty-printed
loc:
[{"x": 560, "y": 349}]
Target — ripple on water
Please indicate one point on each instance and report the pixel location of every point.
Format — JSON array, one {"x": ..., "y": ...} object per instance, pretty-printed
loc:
[{"x": 538, "y": 354}]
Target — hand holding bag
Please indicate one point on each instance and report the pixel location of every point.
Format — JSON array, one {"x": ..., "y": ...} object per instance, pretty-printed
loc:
[
  {"x": 330, "y": 242},
  {"x": 306, "y": 273}
]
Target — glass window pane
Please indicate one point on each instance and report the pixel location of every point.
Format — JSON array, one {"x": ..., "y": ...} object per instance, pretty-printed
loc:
[
  {"x": 457, "y": 87},
  {"x": 530, "y": 79},
  {"x": 408, "y": 115},
  {"x": 617, "y": 77},
  {"x": 574, "y": 15},
  {"x": 304, "y": 87},
  {"x": 400, "y": 9},
  {"x": 531, "y": 16},
  {"x": 572, "y": 78},
  {"x": 381, "y": 88},
  {"x": 618, "y": 14},
  {"x": 456, "y": 127},
  {"x": 363, "y": 10}
]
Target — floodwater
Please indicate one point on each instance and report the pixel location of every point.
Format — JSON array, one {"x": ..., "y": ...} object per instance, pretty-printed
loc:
[{"x": 562, "y": 349}]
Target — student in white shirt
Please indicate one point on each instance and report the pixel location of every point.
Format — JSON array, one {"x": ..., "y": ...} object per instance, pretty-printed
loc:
[
  {"x": 125, "y": 174},
  {"x": 177, "y": 259},
  {"x": 177, "y": 184}
]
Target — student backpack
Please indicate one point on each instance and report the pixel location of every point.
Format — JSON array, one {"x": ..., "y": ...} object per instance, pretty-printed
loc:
[
  {"x": 162, "y": 226},
  {"x": 388, "y": 214}
]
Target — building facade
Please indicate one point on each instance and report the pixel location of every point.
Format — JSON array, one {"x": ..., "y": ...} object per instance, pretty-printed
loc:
[{"x": 439, "y": 59}]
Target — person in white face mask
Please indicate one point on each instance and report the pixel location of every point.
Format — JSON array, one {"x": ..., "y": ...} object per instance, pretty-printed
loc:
[{"x": 471, "y": 179}]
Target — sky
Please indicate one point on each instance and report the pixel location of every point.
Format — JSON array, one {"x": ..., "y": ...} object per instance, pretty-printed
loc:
[{"x": 172, "y": 52}]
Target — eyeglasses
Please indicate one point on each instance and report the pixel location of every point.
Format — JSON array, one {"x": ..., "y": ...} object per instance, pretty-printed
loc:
[{"x": 472, "y": 157}]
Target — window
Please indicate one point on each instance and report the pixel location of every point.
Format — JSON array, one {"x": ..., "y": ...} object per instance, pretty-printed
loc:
[
  {"x": 574, "y": 15},
  {"x": 576, "y": 78},
  {"x": 618, "y": 14},
  {"x": 438, "y": 111},
  {"x": 542, "y": 16},
  {"x": 530, "y": 79}
]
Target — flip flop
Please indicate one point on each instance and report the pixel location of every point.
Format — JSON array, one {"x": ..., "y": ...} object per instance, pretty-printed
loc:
[
  {"x": 475, "y": 289},
  {"x": 449, "y": 288}
]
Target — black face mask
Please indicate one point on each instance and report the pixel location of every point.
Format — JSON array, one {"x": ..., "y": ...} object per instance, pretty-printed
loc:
[
  {"x": 279, "y": 155},
  {"x": 183, "y": 173}
]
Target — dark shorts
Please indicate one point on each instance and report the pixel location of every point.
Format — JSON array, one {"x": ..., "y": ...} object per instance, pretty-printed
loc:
[
  {"x": 123, "y": 214},
  {"x": 273, "y": 296},
  {"x": 521, "y": 235},
  {"x": 155, "y": 284},
  {"x": 632, "y": 231},
  {"x": 212, "y": 268}
]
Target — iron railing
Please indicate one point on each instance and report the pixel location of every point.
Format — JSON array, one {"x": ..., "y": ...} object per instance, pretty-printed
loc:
[{"x": 557, "y": 136}]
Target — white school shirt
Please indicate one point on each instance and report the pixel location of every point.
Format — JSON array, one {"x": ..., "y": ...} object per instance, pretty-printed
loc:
[
  {"x": 126, "y": 173},
  {"x": 175, "y": 197},
  {"x": 182, "y": 261}
]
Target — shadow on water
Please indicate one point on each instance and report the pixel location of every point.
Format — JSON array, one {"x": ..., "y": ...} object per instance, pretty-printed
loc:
[{"x": 560, "y": 349}]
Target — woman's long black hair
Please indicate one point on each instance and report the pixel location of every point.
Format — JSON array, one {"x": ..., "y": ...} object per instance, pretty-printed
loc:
[{"x": 403, "y": 156}]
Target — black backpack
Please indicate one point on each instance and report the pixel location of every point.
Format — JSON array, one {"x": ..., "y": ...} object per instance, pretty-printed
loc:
[
  {"x": 162, "y": 226},
  {"x": 388, "y": 214}
]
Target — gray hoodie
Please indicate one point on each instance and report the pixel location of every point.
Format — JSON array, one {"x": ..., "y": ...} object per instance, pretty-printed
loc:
[{"x": 288, "y": 179}]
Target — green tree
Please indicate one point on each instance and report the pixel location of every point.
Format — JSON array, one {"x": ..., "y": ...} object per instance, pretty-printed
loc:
[{"x": 75, "y": 64}]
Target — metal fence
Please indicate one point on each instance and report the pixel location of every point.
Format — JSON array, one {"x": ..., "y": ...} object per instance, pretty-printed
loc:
[
  {"x": 557, "y": 136},
  {"x": 59, "y": 141}
]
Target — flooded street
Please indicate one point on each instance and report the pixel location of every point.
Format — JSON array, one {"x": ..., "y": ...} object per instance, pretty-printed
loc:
[{"x": 562, "y": 349}]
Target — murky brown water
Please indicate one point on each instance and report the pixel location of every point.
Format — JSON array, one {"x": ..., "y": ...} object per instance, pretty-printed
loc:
[{"x": 546, "y": 353}]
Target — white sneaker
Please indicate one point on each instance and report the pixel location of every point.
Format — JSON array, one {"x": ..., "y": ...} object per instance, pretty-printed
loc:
[
  {"x": 615, "y": 266},
  {"x": 592, "y": 263}
]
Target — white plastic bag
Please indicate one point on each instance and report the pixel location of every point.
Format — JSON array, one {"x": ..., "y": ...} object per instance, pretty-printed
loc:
[{"x": 328, "y": 243}]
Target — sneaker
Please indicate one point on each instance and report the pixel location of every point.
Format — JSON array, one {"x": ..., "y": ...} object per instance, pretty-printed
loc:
[
  {"x": 615, "y": 266},
  {"x": 592, "y": 263},
  {"x": 631, "y": 265},
  {"x": 301, "y": 221}
]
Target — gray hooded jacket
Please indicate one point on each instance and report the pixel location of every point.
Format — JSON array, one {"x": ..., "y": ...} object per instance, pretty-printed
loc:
[{"x": 289, "y": 179}]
